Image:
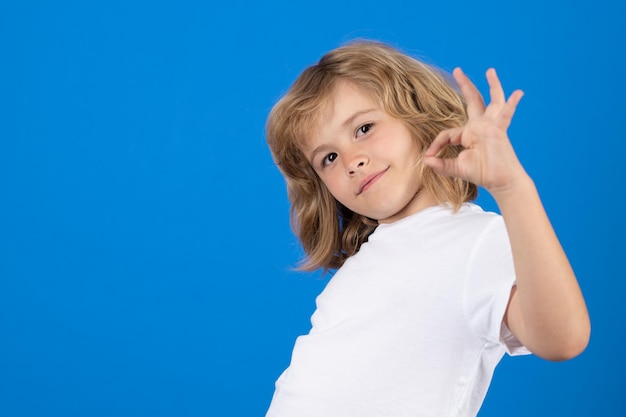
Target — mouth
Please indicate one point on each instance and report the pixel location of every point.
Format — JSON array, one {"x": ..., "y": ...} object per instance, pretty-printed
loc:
[{"x": 370, "y": 180}]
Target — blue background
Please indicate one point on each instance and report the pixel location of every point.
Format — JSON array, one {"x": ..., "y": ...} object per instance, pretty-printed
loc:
[{"x": 144, "y": 238}]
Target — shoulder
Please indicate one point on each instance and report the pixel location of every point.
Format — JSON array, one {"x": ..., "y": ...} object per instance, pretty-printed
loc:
[{"x": 471, "y": 221}]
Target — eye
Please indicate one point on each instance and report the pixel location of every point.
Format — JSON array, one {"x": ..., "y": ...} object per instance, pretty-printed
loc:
[
  {"x": 328, "y": 159},
  {"x": 364, "y": 129}
]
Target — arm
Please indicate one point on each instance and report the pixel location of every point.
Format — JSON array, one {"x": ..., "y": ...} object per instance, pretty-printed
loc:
[{"x": 546, "y": 311}]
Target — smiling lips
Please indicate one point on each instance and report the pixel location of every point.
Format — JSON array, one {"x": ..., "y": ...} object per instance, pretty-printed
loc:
[{"x": 370, "y": 180}]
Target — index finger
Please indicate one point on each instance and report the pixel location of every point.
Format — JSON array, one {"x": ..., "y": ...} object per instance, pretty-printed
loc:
[{"x": 443, "y": 139}]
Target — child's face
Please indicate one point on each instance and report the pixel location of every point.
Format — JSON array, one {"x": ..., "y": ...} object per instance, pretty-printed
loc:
[{"x": 366, "y": 158}]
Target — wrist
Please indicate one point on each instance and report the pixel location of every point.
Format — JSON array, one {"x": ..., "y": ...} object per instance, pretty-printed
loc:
[{"x": 518, "y": 190}]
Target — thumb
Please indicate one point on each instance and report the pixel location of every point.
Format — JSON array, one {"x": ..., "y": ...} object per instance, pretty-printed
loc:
[{"x": 443, "y": 166}]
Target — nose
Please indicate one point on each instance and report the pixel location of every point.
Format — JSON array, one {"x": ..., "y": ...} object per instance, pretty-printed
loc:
[{"x": 356, "y": 163}]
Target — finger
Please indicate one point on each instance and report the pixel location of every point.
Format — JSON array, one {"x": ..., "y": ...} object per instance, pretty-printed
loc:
[
  {"x": 444, "y": 138},
  {"x": 443, "y": 166},
  {"x": 496, "y": 93},
  {"x": 507, "y": 112},
  {"x": 475, "y": 102}
]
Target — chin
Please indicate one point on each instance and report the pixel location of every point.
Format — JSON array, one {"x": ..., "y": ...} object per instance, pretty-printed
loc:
[{"x": 384, "y": 217}]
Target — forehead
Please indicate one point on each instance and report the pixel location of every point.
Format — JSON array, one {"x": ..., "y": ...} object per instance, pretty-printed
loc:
[
  {"x": 343, "y": 104},
  {"x": 345, "y": 98}
]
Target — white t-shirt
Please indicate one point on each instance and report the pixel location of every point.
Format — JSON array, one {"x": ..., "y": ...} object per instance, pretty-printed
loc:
[{"x": 409, "y": 326}]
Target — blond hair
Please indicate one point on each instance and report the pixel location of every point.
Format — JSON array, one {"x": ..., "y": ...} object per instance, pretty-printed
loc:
[{"x": 404, "y": 87}]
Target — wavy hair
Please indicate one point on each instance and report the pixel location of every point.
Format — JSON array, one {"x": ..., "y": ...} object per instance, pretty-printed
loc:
[{"x": 407, "y": 89}]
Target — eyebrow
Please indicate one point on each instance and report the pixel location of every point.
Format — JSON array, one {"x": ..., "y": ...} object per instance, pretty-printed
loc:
[
  {"x": 350, "y": 119},
  {"x": 315, "y": 152},
  {"x": 346, "y": 123}
]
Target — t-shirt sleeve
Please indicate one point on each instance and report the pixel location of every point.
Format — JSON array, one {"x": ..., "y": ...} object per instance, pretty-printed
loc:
[{"x": 489, "y": 281}]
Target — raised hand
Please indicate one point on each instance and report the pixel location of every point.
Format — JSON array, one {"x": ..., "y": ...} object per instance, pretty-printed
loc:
[
  {"x": 546, "y": 311},
  {"x": 488, "y": 159}
]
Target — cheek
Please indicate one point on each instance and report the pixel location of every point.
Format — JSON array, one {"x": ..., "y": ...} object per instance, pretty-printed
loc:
[
  {"x": 402, "y": 152},
  {"x": 335, "y": 186},
  {"x": 412, "y": 150}
]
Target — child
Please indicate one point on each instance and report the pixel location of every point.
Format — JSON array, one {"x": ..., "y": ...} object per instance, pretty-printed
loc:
[{"x": 382, "y": 156}]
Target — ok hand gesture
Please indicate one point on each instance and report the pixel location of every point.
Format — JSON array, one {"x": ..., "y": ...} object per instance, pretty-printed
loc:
[
  {"x": 546, "y": 310},
  {"x": 488, "y": 159}
]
